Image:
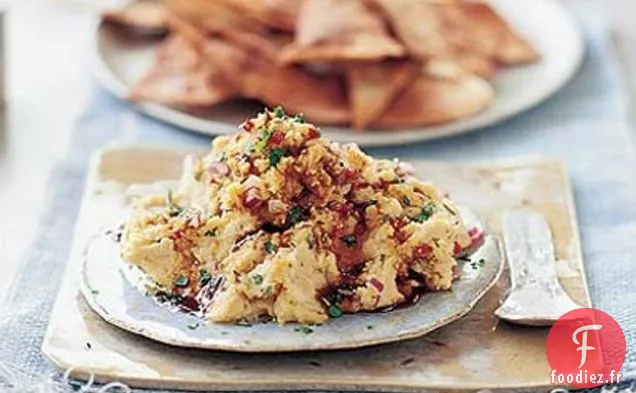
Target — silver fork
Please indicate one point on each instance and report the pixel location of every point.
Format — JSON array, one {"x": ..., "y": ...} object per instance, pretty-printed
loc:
[{"x": 536, "y": 297}]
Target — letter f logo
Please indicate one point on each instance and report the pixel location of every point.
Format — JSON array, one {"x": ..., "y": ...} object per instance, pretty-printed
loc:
[{"x": 584, "y": 347}]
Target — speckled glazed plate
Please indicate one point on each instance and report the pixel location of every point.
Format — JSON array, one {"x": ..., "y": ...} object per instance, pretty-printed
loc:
[{"x": 110, "y": 291}]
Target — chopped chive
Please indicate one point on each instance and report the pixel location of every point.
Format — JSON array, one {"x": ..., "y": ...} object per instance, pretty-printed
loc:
[
  {"x": 182, "y": 282},
  {"x": 258, "y": 279},
  {"x": 279, "y": 112},
  {"x": 335, "y": 311},
  {"x": 205, "y": 277},
  {"x": 406, "y": 201},
  {"x": 270, "y": 248},
  {"x": 304, "y": 330},
  {"x": 369, "y": 327},
  {"x": 262, "y": 142},
  {"x": 170, "y": 200},
  {"x": 193, "y": 326},
  {"x": 275, "y": 156},
  {"x": 95, "y": 291},
  {"x": 299, "y": 118},
  {"x": 350, "y": 240},
  {"x": 296, "y": 215},
  {"x": 372, "y": 202},
  {"x": 210, "y": 233},
  {"x": 426, "y": 213}
]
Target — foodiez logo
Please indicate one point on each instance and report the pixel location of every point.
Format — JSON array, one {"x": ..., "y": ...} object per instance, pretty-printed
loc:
[{"x": 585, "y": 348}]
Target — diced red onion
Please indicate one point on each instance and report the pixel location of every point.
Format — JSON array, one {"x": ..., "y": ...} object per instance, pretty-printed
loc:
[
  {"x": 251, "y": 199},
  {"x": 423, "y": 250},
  {"x": 217, "y": 170},
  {"x": 377, "y": 284}
]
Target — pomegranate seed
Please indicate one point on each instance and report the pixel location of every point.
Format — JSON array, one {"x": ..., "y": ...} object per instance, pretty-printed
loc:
[
  {"x": 458, "y": 248},
  {"x": 277, "y": 137},
  {"x": 250, "y": 200},
  {"x": 313, "y": 134},
  {"x": 247, "y": 126},
  {"x": 423, "y": 251}
]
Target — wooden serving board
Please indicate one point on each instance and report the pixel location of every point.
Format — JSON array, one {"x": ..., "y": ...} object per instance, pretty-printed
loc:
[{"x": 476, "y": 352}]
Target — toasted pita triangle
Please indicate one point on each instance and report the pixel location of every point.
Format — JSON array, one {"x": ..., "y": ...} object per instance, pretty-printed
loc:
[
  {"x": 275, "y": 14},
  {"x": 418, "y": 25},
  {"x": 480, "y": 29},
  {"x": 140, "y": 14},
  {"x": 259, "y": 76},
  {"x": 373, "y": 88},
  {"x": 211, "y": 16},
  {"x": 443, "y": 93},
  {"x": 181, "y": 77},
  {"x": 340, "y": 30}
]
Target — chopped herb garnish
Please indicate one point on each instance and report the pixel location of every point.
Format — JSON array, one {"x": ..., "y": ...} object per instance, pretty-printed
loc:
[
  {"x": 372, "y": 202},
  {"x": 170, "y": 198},
  {"x": 193, "y": 326},
  {"x": 369, "y": 327},
  {"x": 258, "y": 279},
  {"x": 335, "y": 311},
  {"x": 350, "y": 240},
  {"x": 262, "y": 142},
  {"x": 275, "y": 156},
  {"x": 299, "y": 118},
  {"x": 95, "y": 291},
  {"x": 205, "y": 277},
  {"x": 482, "y": 262},
  {"x": 406, "y": 201},
  {"x": 335, "y": 298},
  {"x": 175, "y": 211},
  {"x": 182, "y": 282},
  {"x": 210, "y": 233},
  {"x": 296, "y": 215},
  {"x": 426, "y": 213},
  {"x": 270, "y": 248},
  {"x": 268, "y": 291},
  {"x": 304, "y": 330},
  {"x": 279, "y": 112}
]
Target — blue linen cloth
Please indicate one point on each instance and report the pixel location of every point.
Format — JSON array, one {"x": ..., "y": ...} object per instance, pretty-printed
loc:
[{"x": 584, "y": 125}]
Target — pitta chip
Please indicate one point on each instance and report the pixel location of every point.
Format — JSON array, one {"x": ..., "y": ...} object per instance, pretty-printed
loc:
[
  {"x": 181, "y": 77},
  {"x": 142, "y": 14},
  {"x": 443, "y": 93},
  {"x": 210, "y": 16},
  {"x": 275, "y": 14},
  {"x": 253, "y": 68},
  {"x": 373, "y": 87},
  {"x": 419, "y": 25},
  {"x": 480, "y": 29},
  {"x": 340, "y": 30}
]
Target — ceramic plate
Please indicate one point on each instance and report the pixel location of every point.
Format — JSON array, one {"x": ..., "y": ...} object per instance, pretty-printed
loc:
[
  {"x": 118, "y": 62},
  {"x": 107, "y": 286}
]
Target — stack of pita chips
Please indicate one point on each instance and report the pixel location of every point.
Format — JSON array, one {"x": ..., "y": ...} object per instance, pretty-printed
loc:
[{"x": 382, "y": 64}]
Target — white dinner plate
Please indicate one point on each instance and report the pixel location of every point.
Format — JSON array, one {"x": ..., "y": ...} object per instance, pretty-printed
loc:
[{"x": 118, "y": 62}]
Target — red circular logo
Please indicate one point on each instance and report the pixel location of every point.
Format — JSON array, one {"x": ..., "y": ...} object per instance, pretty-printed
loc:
[{"x": 585, "y": 348}]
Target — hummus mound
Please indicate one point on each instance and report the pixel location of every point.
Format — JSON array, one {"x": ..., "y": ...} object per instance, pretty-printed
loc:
[{"x": 277, "y": 222}]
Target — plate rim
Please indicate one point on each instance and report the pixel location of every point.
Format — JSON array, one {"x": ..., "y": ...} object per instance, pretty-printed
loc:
[
  {"x": 212, "y": 128},
  {"x": 90, "y": 297}
]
